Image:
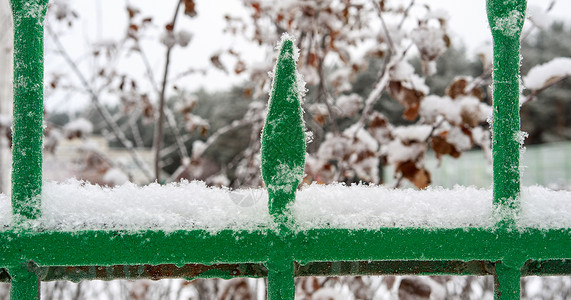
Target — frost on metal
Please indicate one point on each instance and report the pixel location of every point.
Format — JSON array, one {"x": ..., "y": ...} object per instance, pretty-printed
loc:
[
  {"x": 35, "y": 9},
  {"x": 283, "y": 136},
  {"x": 510, "y": 24}
]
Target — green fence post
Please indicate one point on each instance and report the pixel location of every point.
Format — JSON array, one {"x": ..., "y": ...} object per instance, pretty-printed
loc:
[
  {"x": 506, "y": 18},
  {"x": 28, "y": 106},
  {"x": 24, "y": 284},
  {"x": 283, "y": 161}
]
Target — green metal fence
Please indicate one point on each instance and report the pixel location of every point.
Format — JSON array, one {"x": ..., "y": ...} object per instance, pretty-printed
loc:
[{"x": 30, "y": 255}]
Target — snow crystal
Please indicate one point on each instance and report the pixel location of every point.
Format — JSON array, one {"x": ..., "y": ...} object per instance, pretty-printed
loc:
[
  {"x": 397, "y": 152},
  {"x": 168, "y": 39},
  {"x": 34, "y": 10},
  {"x": 433, "y": 106},
  {"x": 349, "y": 105},
  {"x": 284, "y": 177},
  {"x": 198, "y": 148},
  {"x": 544, "y": 208},
  {"x": 509, "y": 24},
  {"x": 372, "y": 207},
  {"x": 467, "y": 108},
  {"x": 404, "y": 72},
  {"x": 459, "y": 139},
  {"x": 115, "y": 176},
  {"x": 364, "y": 137},
  {"x": 430, "y": 42},
  {"x": 78, "y": 127},
  {"x": 183, "y": 37},
  {"x": 541, "y": 75},
  {"x": 299, "y": 77},
  {"x": 75, "y": 205},
  {"x": 412, "y": 133}
]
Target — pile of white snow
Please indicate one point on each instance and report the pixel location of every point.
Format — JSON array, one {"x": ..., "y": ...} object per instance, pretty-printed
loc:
[
  {"x": 541, "y": 75},
  {"x": 75, "y": 205}
]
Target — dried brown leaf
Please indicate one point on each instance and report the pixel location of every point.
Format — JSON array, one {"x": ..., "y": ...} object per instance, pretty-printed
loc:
[
  {"x": 442, "y": 147},
  {"x": 215, "y": 59},
  {"x": 458, "y": 88},
  {"x": 420, "y": 177},
  {"x": 190, "y": 8},
  {"x": 414, "y": 289},
  {"x": 409, "y": 98}
]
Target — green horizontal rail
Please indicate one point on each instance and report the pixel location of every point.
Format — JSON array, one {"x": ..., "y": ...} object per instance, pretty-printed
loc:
[
  {"x": 30, "y": 256},
  {"x": 155, "y": 247}
]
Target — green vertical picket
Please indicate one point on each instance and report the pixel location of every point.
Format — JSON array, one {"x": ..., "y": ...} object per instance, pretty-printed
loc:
[
  {"x": 283, "y": 160},
  {"x": 506, "y": 18},
  {"x": 28, "y": 106},
  {"x": 24, "y": 284},
  {"x": 27, "y": 133}
]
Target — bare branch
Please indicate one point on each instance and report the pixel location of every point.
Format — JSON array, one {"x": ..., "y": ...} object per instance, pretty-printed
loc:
[
  {"x": 160, "y": 121},
  {"x": 100, "y": 108}
]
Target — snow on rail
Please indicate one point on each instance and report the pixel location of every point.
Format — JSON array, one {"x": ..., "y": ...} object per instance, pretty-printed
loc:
[{"x": 75, "y": 205}]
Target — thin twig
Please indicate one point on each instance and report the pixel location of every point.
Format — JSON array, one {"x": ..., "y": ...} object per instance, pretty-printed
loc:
[
  {"x": 160, "y": 121},
  {"x": 536, "y": 92},
  {"x": 102, "y": 110},
  {"x": 405, "y": 14},
  {"x": 323, "y": 95},
  {"x": 169, "y": 114}
]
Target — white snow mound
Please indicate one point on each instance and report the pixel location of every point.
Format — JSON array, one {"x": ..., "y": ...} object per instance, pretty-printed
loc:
[{"x": 75, "y": 205}]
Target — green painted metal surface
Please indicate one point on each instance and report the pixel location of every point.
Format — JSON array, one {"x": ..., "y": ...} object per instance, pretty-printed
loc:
[
  {"x": 283, "y": 161},
  {"x": 28, "y": 81},
  {"x": 504, "y": 251},
  {"x": 283, "y": 136},
  {"x": 506, "y": 18}
]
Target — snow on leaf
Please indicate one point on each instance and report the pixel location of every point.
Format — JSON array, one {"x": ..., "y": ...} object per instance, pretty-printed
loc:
[
  {"x": 547, "y": 73},
  {"x": 349, "y": 105},
  {"x": 430, "y": 41},
  {"x": 77, "y": 128}
]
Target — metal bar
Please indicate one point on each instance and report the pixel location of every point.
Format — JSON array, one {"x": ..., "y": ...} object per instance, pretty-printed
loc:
[
  {"x": 24, "y": 283},
  {"x": 283, "y": 161},
  {"x": 28, "y": 107},
  {"x": 281, "y": 279},
  {"x": 506, "y": 20},
  {"x": 107, "y": 248},
  {"x": 507, "y": 282}
]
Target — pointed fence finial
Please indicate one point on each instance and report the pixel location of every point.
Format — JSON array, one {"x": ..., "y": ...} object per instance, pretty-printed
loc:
[{"x": 283, "y": 136}]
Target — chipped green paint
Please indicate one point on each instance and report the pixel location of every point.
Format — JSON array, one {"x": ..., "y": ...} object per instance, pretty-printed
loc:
[{"x": 30, "y": 256}]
